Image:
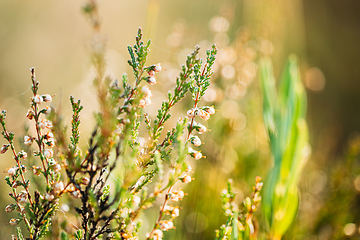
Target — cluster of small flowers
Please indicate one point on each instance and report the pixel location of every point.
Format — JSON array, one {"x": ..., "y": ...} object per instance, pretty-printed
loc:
[
  {"x": 204, "y": 113},
  {"x": 151, "y": 71},
  {"x": 145, "y": 101}
]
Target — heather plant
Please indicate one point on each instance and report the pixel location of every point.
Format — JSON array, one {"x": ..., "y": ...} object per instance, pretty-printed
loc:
[{"x": 145, "y": 170}]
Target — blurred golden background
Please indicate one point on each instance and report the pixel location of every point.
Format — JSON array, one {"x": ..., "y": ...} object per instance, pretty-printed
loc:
[{"x": 53, "y": 37}]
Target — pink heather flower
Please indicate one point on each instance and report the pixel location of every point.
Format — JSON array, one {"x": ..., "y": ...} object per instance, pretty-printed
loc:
[
  {"x": 48, "y": 153},
  {"x": 157, "y": 67},
  {"x": 37, "y": 99},
  {"x": 22, "y": 155},
  {"x": 14, "y": 221},
  {"x": 28, "y": 140},
  {"x": 151, "y": 80},
  {"x": 47, "y": 98}
]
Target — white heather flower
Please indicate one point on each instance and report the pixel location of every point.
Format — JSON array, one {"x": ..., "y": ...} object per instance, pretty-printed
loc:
[
  {"x": 11, "y": 171},
  {"x": 197, "y": 155},
  {"x": 22, "y": 200},
  {"x": 14, "y": 221},
  {"x": 146, "y": 91},
  {"x": 191, "y": 113},
  {"x": 49, "y": 134},
  {"x": 4, "y": 148},
  {"x": 48, "y": 153},
  {"x": 195, "y": 140},
  {"x": 136, "y": 200},
  {"x": 151, "y": 80},
  {"x": 202, "y": 128},
  {"x": 47, "y": 98},
  {"x": 57, "y": 168},
  {"x": 166, "y": 225},
  {"x": 181, "y": 194},
  {"x": 203, "y": 114},
  {"x": 75, "y": 194},
  {"x": 188, "y": 168},
  {"x": 187, "y": 179},
  {"x": 175, "y": 213},
  {"x": 157, "y": 67},
  {"x": 9, "y": 208},
  {"x": 210, "y": 110},
  {"x": 48, "y": 124},
  {"x": 147, "y": 101},
  {"x": 84, "y": 180},
  {"x": 22, "y": 155},
  {"x": 49, "y": 197},
  {"x": 28, "y": 140},
  {"x": 158, "y": 234},
  {"x": 142, "y": 103},
  {"x": 151, "y": 73},
  {"x": 42, "y": 123},
  {"x": 58, "y": 187},
  {"x": 47, "y": 110},
  {"x": 37, "y": 99}
]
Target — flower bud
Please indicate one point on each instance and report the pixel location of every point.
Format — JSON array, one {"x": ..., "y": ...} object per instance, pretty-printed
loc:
[
  {"x": 10, "y": 208},
  {"x": 58, "y": 187},
  {"x": 30, "y": 114},
  {"x": 84, "y": 180},
  {"x": 28, "y": 140},
  {"x": 4, "y": 148},
  {"x": 14, "y": 221},
  {"x": 75, "y": 194},
  {"x": 49, "y": 197},
  {"x": 151, "y": 73}
]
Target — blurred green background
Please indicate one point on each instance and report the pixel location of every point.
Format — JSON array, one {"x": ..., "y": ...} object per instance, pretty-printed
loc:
[{"x": 54, "y": 37}]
